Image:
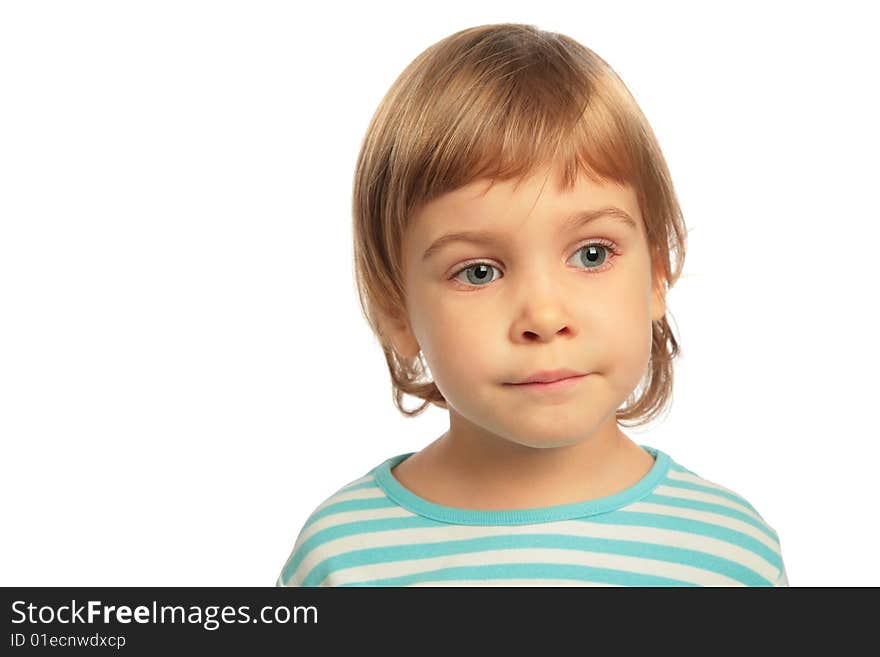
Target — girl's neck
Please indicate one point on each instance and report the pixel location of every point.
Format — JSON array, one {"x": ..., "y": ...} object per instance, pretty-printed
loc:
[{"x": 460, "y": 470}]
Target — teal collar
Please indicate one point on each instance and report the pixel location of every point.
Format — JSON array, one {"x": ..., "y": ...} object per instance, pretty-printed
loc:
[{"x": 409, "y": 500}]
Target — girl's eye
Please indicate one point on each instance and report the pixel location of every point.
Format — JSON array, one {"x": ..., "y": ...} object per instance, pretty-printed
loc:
[{"x": 593, "y": 256}]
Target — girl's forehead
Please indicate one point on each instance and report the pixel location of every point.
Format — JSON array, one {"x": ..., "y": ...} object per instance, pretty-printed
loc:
[{"x": 490, "y": 202}]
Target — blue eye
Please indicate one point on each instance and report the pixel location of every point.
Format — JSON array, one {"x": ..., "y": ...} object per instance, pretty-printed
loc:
[
  {"x": 595, "y": 255},
  {"x": 480, "y": 273}
]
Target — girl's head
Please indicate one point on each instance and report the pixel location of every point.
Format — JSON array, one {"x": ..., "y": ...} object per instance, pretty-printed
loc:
[{"x": 520, "y": 136}]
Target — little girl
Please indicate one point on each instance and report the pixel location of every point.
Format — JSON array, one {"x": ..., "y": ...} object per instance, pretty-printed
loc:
[{"x": 515, "y": 232}]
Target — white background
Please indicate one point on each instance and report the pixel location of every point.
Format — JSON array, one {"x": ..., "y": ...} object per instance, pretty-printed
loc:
[{"x": 184, "y": 371}]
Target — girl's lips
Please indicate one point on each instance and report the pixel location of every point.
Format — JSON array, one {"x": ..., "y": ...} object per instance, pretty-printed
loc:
[
  {"x": 560, "y": 384},
  {"x": 549, "y": 376}
]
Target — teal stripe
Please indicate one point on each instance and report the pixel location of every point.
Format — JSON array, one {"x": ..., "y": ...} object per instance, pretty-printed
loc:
[
  {"x": 530, "y": 571},
  {"x": 673, "y": 554},
  {"x": 707, "y": 488},
  {"x": 711, "y": 507},
  {"x": 688, "y": 526},
  {"x": 350, "y": 505},
  {"x": 350, "y": 529},
  {"x": 674, "y": 483}
]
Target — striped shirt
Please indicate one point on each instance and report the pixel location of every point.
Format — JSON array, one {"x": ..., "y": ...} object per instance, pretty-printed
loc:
[{"x": 671, "y": 528}]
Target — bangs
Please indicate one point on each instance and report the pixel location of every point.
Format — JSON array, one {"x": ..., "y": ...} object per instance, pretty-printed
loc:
[{"x": 512, "y": 104}]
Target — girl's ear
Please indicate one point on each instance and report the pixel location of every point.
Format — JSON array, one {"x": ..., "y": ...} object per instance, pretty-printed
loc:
[
  {"x": 658, "y": 295},
  {"x": 399, "y": 333}
]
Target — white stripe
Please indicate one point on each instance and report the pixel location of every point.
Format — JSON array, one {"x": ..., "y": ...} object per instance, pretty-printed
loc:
[
  {"x": 554, "y": 556},
  {"x": 346, "y": 517},
  {"x": 345, "y": 493},
  {"x": 688, "y": 494},
  {"x": 447, "y": 532},
  {"x": 513, "y": 582},
  {"x": 705, "y": 516},
  {"x": 696, "y": 479}
]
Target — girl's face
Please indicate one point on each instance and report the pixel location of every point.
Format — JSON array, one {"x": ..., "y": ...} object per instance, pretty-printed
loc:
[{"x": 544, "y": 293}]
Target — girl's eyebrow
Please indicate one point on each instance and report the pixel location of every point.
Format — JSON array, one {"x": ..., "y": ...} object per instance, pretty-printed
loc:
[{"x": 575, "y": 221}]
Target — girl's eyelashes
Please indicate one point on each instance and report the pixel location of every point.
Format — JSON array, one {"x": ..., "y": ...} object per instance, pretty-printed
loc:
[{"x": 594, "y": 255}]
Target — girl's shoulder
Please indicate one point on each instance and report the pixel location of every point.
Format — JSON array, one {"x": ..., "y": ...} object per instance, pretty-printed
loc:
[
  {"x": 359, "y": 501},
  {"x": 687, "y": 483},
  {"x": 719, "y": 504}
]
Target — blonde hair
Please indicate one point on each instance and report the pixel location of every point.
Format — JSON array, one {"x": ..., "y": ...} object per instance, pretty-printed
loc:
[{"x": 497, "y": 101}]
